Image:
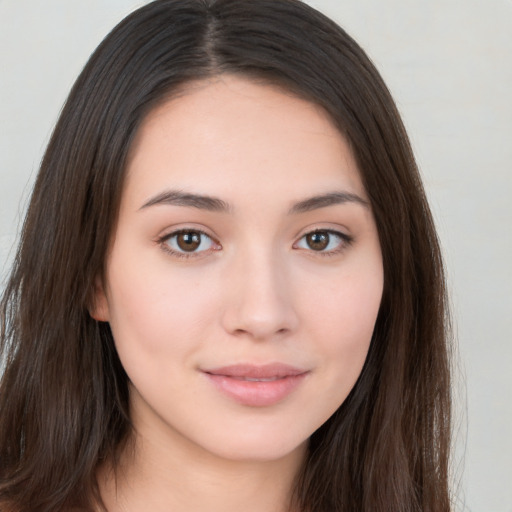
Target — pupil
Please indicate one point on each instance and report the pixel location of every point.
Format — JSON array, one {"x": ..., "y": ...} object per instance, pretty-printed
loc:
[
  {"x": 189, "y": 241},
  {"x": 318, "y": 241}
]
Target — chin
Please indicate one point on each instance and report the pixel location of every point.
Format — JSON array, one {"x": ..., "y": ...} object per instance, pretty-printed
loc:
[{"x": 262, "y": 450}]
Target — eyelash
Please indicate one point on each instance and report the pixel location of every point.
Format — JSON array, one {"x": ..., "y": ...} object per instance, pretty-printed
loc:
[
  {"x": 163, "y": 242},
  {"x": 345, "y": 241}
]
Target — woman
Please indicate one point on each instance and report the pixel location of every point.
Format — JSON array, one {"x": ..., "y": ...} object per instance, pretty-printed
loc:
[{"x": 229, "y": 292}]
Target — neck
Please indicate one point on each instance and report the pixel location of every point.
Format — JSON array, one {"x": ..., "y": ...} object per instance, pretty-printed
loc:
[{"x": 181, "y": 477}]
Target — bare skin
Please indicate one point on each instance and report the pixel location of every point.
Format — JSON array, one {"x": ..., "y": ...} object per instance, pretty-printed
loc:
[{"x": 242, "y": 288}]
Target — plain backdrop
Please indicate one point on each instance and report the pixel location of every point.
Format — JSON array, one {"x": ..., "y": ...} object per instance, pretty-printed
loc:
[{"x": 448, "y": 64}]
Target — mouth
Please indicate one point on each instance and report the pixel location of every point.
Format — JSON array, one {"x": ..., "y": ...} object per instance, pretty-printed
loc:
[
  {"x": 250, "y": 379},
  {"x": 255, "y": 385}
]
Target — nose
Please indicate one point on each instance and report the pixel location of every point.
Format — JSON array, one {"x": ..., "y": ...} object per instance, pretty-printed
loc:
[{"x": 259, "y": 300}]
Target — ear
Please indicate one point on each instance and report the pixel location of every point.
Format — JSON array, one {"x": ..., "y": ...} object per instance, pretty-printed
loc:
[{"x": 98, "y": 308}]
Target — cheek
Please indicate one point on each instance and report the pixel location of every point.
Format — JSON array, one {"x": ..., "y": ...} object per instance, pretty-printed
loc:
[
  {"x": 347, "y": 307},
  {"x": 156, "y": 312},
  {"x": 342, "y": 320}
]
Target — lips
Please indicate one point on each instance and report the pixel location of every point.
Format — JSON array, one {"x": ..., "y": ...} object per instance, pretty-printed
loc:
[{"x": 255, "y": 385}]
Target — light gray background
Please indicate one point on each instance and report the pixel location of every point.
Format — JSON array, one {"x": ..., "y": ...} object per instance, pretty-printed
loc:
[{"x": 449, "y": 65}]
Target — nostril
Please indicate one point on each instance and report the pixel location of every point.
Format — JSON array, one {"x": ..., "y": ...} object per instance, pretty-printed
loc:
[{"x": 260, "y": 307}]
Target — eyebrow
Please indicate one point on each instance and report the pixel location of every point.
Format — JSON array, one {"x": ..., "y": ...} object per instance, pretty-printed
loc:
[
  {"x": 179, "y": 198},
  {"x": 214, "y": 204},
  {"x": 329, "y": 199}
]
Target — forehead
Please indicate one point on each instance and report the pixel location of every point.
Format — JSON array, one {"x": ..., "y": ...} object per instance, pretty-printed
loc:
[{"x": 231, "y": 134}]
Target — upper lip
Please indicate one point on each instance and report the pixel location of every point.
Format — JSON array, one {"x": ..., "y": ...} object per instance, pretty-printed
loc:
[{"x": 252, "y": 371}]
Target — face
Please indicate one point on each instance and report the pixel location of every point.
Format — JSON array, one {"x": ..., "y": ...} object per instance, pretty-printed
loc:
[{"x": 245, "y": 274}]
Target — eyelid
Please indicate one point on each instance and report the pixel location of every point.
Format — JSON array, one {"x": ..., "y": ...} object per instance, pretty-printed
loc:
[
  {"x": 165, "y": 237},
  {"x": 345, "y": 241}
]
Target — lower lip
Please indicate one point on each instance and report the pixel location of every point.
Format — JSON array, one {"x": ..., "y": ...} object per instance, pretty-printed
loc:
[{"x": 256, "y": 393}]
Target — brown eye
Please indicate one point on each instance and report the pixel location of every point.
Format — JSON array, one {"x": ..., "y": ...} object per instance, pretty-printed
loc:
[
  {"x": 325, "y": 242},
  {"x": 318, "y": 240},
  {"x": 188, "y": 240}
]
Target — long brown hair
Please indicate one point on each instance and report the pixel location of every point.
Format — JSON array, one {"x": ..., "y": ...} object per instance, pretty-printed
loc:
[{"x": 64, "y": 394}]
